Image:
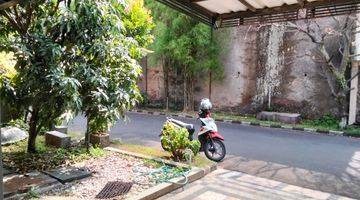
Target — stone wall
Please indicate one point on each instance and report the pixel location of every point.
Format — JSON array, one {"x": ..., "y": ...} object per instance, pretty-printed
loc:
[{"x": 259, "y": 61}]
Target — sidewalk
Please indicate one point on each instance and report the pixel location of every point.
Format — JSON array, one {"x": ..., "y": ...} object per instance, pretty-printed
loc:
[{"x": 227, "y": 185}]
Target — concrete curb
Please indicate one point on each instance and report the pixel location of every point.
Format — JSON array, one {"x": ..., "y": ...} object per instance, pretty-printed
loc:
[
  {"x": 173, "y": 184},
  {"x": 309, "y": 130}
]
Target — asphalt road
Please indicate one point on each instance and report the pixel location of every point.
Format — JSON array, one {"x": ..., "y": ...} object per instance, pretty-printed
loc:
[{"x": 302, "y": 153}]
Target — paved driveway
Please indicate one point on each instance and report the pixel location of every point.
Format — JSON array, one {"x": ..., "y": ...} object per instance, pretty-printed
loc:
[
  {"x": 326, "y": 163},
  {"x": 229, "y": 185}
]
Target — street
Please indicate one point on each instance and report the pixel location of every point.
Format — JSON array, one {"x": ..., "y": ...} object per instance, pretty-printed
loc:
[{"x": 326, "y": 163}]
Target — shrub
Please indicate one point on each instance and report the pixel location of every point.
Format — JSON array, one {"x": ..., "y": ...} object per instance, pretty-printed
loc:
[
  {"x": 19, "y": 123},
  {"x": 328, "y": 120},
  {"x": 176, "y": 141}
]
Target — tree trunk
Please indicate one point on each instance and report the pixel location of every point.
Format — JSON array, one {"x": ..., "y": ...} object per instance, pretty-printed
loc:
[
  {"x": 166, "y": 81},
  {"x": 185, "y": 94},
  {"x": 343, "y": 104},
  {"x": 87, "y": 135},
  {"x": 188, "y": 93},
  {"x": 33, "y": 131},
  {"x": 210, "y": 82},
  {"x": 191, "y": 93}
]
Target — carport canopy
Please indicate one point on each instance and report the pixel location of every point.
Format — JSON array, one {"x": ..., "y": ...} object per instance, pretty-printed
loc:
[{"x": 229, "y": 13}]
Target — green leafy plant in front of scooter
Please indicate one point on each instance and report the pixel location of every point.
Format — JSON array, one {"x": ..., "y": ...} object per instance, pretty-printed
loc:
[{"x": 176, "y": 141}]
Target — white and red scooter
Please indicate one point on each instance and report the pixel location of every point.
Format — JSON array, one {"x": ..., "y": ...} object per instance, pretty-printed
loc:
[{"x": 212, "y": 143}]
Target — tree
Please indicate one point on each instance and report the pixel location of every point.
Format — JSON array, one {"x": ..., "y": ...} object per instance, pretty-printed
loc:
[
  {"x": 108, "y": 81},
  {"x": 71, "y": 55},
  {"x": 41, "y": 85},
  {"x": 185, "y": 44},
  {"x": 332, "y": 52}
]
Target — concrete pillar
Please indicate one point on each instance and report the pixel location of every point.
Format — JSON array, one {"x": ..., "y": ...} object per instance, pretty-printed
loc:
[
  {"x": 353, "y": 93},
  {"x": 354, "y": 70}
]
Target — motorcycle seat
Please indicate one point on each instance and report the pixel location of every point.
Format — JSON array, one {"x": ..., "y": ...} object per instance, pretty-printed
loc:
[{"x": 190, "y": 127}]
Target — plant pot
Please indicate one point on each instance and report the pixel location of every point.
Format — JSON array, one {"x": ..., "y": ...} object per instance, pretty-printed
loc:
[{"x": 100, "y": 140}]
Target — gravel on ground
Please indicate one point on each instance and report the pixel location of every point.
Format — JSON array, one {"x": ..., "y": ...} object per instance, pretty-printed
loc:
[{"x": 114, "y": 167}]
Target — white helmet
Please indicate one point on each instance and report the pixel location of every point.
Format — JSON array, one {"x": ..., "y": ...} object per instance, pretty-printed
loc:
[{"x": 205, "y": 104}]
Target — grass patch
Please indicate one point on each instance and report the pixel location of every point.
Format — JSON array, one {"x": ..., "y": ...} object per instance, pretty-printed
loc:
[
  {"x": 141, "y": 149},
  {"x": 16, "y": 157},
  {"x": 326, "y": 123},
  {"x": 353, "y": 131},
  {"x": 199, "y": 161}
]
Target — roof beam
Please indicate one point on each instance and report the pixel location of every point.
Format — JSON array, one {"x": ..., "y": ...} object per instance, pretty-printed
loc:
[
  {"x": 249, "y": 6},
  {"x": 7, "y": 4},
  {"x": 301, "y": 2},
  {"x": 285, "y": 8}
]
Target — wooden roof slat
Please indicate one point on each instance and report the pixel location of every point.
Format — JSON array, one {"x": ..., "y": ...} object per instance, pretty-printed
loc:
[{"x": 248, "y": 5}]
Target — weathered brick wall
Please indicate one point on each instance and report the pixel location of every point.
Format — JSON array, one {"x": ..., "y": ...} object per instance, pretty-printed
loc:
[
  {"x": 152, "y": 82},
  {"x": 254, "y": 60}
]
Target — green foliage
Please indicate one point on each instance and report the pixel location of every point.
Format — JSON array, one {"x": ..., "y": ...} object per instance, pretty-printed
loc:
[
  {"x": 185, "y": 46},
  {"x": 166, "y": 173},
  {"x": 138, "y": 25},
  {"x": 15, "y": 156},
  {"x": 145, "y": 99},
  {"x": 328, "y": 121},
  {"x": 74, "y": 56},
  {"x": 19, "y": 123},
  {"x": 185, "y": 41},
  {"x": 7, "y": 65},
  {"x": 176, "y": 141},
  {"x": 32, "y": 193}
]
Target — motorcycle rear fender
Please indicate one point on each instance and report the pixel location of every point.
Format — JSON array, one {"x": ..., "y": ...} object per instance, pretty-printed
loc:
[{"x": 215, "y": 134}]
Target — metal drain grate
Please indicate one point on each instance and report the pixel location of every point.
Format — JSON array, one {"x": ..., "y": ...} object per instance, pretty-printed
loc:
[{"x": 113, "y": 189}]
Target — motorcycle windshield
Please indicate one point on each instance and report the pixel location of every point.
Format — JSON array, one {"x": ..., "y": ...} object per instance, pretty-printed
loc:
[{"x": 209, "y": 124}]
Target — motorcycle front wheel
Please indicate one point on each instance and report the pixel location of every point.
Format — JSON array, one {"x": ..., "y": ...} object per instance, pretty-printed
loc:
[{"x": 215, "y": 150}]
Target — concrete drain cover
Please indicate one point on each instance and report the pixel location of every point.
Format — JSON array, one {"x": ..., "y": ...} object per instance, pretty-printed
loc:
[
  {"x": 113, "y": 189},
  {"x": 68, "y": 174}
]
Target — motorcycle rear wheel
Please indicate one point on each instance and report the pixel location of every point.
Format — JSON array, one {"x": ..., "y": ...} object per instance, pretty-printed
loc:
[{"x": 215, "y": 147}]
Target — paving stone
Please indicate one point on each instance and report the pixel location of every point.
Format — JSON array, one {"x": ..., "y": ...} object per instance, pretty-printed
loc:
[
  {"x": 209, "y": 195},
  {"x": 17, "y": 183},
  {"x": 57, "y": 139},
  {"x": 68, "y": 174},
  {"x": 221, "y": 185},
  {"x": 303, "y": 191}
]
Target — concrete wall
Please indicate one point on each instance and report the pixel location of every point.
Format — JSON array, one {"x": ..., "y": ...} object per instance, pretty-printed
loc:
[
  {"x": 258, "y": 61},
  {"x": 358, "y": 105}
]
